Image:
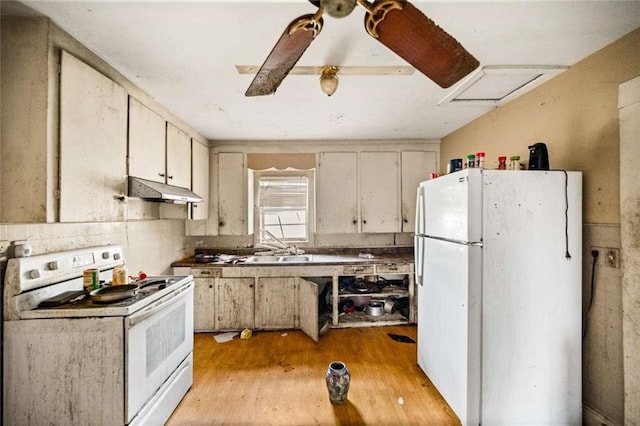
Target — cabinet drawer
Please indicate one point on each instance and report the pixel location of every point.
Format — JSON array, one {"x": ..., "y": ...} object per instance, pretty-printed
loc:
[
  {"x": 402, "y": 268},
  {"x": 358, "y": 269},
  {"x": 206, "y": 272}
]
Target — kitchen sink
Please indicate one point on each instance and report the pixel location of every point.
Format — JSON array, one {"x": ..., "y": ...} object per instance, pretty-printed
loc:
[
  {"x": 280, "y": 259},
  {"x": 297, "y": 258},
  {"x": 263, "y": 259}
]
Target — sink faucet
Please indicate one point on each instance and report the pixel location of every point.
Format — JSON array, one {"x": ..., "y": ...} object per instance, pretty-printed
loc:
[{"x": 278, "y": 246}]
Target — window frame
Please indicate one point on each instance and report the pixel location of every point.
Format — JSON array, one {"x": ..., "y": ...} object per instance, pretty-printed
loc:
[{"x": 310, "y": 175}]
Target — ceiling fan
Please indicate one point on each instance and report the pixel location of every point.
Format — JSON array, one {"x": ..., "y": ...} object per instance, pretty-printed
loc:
[{"x": 397, "y": 24}]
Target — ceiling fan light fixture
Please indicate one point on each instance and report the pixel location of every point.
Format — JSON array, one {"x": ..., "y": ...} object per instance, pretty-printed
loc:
[{"x": 329, "y": 79}]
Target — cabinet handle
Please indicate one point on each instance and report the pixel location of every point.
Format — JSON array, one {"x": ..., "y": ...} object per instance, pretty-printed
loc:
[
  {"x": 205, "y": 272},
  {"x": 364, "y": 221},
  {"x": 161, "y": 174},
  {"x": 169, "y": 177},
  {"x": 355, "y": 221},
  {"x": 221, "y": 223},
  {"x": 210, "y": 286},
  {"x": 405, "y": 220}
]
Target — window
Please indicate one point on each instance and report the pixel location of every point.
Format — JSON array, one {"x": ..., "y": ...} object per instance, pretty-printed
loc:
[{"x": 283, "y": 206}]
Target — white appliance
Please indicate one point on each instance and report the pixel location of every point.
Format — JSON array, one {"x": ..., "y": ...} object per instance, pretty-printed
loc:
[
  {"x": 498, "y": 266},
  {"x": 127, "y": 362}
]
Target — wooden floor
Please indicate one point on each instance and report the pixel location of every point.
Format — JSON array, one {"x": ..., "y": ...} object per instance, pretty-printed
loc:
[{"x": 277, "y": 378}]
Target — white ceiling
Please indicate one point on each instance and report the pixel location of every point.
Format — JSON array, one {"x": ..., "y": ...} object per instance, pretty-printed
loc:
[{"x": 183, "y": 53}]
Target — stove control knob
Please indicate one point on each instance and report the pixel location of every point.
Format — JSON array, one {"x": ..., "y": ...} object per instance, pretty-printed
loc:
[
  {"x": 34, "y": 273},
  {"x": 116, "y": 256},
  {"x": 53, "y": 265},
  {"x": 105, "y": 255}
]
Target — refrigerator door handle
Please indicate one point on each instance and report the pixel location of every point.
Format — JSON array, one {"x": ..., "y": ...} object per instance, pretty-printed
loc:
[
  {"x": 449, "y": 240},
  {"x": 418, "y": 240},
  {"x": 419, "y": 258}
]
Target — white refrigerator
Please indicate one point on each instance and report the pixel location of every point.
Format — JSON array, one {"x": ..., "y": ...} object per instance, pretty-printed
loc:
[{"x": 498, "y": 267}]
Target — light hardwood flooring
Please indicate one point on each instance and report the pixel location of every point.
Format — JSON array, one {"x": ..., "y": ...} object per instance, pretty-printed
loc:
[{"x": 277, "y": 378}]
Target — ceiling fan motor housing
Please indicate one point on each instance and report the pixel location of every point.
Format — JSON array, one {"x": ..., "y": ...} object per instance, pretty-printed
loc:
[{"x": 338, "y": 8}]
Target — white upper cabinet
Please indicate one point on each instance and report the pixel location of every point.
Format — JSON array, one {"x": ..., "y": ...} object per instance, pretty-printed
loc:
[
  {"x": 337, "y": 193},
  {"x": 416, "y": 167},
  {"x": 158, "y": 150},
  {"x": 380, "y": 192},
  {"x": 147, "y": 136},
  {"x": 232, "y": 194},
  {"x": 200, "y": 180},
  {"x": 93, "y": 144},
  {"x": 178, "y": 157}
]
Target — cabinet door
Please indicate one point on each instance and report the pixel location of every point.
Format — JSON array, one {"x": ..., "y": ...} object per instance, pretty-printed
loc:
[
  {"x": 234, "y": 303},
  {"x": 415, "y": 166},
  {"x": 337, "y": 193},
  {"x": 93, "y": 144},
  {"x": 204, "y": 304},
  {"x": 308, "y": 307},
  {"x": 178, "y": 157},
  {"x": 200, "y": 180},
  {"x": 232, "y": 190},
  {"x": 379, "y": 192},
  {"x": 276, "y": 303},
  {"x": 147, "y": 135}
]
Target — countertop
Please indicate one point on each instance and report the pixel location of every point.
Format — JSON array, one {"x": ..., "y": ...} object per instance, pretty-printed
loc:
[{"x": 319, "y": 256}]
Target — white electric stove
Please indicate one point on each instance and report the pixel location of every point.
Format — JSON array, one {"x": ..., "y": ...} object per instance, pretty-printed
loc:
[{"x": 88, "y": 362}]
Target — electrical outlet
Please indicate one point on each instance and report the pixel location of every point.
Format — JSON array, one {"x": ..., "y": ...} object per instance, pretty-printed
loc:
[{"x": 612, "y": 258}]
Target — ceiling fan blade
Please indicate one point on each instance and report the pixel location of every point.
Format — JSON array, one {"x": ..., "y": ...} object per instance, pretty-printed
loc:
[
  {"x": 284, "y": 55},
  {"x": 418, "y": 40}
]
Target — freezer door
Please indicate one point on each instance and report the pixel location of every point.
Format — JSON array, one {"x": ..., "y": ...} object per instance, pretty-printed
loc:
[
  {"x": 449, "y": 316},
  {"x": 453, "y": 206}
]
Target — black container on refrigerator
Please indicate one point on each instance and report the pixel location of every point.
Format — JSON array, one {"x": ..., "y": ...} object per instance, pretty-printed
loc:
[{"x": 538, "y": 157}]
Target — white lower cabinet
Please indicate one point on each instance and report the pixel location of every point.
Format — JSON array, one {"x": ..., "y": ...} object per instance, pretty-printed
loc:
[
  {"x": 287, "y": 303},
  {"x": 204, "y": 304},
  {"x": 234, "y": 303},
  {"x": 276, "y": 303}
]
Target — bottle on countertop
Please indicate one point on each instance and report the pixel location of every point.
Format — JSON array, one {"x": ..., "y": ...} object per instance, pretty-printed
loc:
[{"x": 480, "y": 160}]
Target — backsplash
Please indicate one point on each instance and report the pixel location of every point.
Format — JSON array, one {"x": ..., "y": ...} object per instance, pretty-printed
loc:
[{"x": 149, "y": 245}]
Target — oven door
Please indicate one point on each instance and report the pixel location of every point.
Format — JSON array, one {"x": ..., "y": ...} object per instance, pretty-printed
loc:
[{"x": 158, "y": 338}]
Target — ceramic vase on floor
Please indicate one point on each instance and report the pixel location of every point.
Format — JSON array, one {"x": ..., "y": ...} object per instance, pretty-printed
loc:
[{"x": 338, "y": 379}]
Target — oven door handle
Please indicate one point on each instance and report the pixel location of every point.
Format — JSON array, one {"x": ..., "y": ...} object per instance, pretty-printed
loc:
[{"x": 163, "y": 303}]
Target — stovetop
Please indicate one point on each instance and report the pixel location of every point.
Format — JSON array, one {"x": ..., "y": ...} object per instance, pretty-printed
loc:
[{"x": 149, "y": 290}]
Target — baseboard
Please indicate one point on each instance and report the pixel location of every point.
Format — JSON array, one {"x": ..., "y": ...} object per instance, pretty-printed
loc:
[{"x": 590, "y": 417}]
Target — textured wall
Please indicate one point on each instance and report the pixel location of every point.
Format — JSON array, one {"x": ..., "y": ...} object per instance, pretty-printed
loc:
[{"x": 575, "y": 114}]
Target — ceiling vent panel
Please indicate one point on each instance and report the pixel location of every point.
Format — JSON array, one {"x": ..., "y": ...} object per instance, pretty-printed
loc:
[{"x": 497, "y": 84}]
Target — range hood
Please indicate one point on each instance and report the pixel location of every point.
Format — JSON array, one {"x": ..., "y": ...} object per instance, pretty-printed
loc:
[{"x": 161, "y": 192}]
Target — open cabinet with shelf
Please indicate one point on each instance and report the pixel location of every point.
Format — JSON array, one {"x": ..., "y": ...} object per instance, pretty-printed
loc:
[{"x": 373, "y": 300}]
